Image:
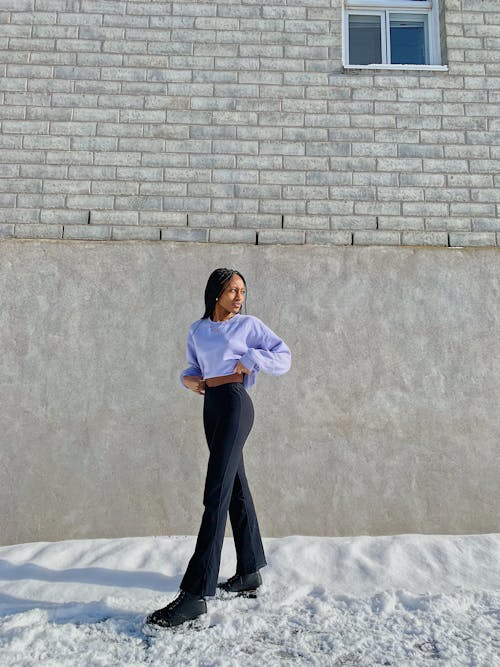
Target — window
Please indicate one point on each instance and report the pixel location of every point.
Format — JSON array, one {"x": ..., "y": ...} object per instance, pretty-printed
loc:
[{"x": 391, "y": 33}]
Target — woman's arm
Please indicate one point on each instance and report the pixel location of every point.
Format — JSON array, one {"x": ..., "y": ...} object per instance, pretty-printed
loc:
[
  {"x": 191, "y": 377},
  {"x": 195, "y": 383},
  {"x": 268, "y": 352}
]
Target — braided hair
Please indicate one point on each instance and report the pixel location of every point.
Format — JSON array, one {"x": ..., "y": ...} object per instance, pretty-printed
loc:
[{"x": 216, "y": 284}]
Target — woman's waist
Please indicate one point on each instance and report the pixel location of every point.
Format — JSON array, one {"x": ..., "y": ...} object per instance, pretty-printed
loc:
[{"x": 218, "y": 380}]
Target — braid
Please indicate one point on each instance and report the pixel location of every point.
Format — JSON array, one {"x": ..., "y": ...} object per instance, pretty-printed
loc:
[{"x": 217, "y": 283}]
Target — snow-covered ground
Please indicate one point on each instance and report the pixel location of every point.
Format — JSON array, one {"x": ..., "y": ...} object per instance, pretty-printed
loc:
[{"x": 364, "y": 601}]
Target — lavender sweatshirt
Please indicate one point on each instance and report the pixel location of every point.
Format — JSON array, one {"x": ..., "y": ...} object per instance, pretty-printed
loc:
[{"x": 213, "y": 348}]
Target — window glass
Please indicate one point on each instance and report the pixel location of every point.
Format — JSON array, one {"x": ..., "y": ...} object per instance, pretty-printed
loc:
[
  {"x": 365, "y": 43},
  {"x": 408, "y": 39}
]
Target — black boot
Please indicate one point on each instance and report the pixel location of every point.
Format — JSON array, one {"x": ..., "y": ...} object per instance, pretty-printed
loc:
[
  {"x": 242, "y": 583},
  {"x": 185, "y": 607}
]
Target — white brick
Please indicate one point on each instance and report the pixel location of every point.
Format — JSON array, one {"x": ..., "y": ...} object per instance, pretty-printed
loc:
[
  {"x": 34, "y": 231},
  {"x": 472, "y": 239},
  {"x": 330, "y": 207},
  {"x": 262, "y": 134},
  {"x": 282, "y": 207},
  {"x": 235, "y": 205},
  {"x": 238, "y": 10},
  {"x": 8, "y": 200},
  {"x": 425, "y": 238},
  {"x": 95, "y": 232},
  {"x": 281, "y": 236},
  {"x": 130, "y": 233},
  {"x": 329, "y": 237},
  {"x": 211, "y": 190},
  {"x": 300, "y": 134},
  {"x": 281, "y": 148},
  {"x": 187, "y": 204},
  {"x": 423, "y": 180},
  {"x": 353, "y": 193},
  {"x": 153, "y": 218},
  {"x": 306, "y": 222},
  {"x": 473, "y": 209},
  {"x": 336, "y": 148},
  {"x": 178, "y": 234},
  {"x": 283, "y": 38},
  {"x": 90, "y": 201},
  {"x": 485, "y": 195},
  {"x": 255, "y": 26},
  {"x": 445, "y": 166},
  {"x": 304, "y": 192},
  {"x": 368, "y": 178},
  {"x": 236, "y": 176},
  {"x": 419, "y": 150},
  {"x": 377, "y": 150},
  {"x": 258, "y": 191},
  {"x": 378, "y": 207},
  {"x": 63, "y": 217},
  {"x": 259, "y": 221},
  {"x": 352, "y": 222},
  {"x": 217, "y": 23},
  {"x": 425, "y": 208},
  {"x": 259, "y": 162},
  {"x": 448, "y": 194},
  {"x": 20, "y": 215},
  {"x": 6, "y": 231},
  {"x": 399, "y": 223},
  {"x": 376, "y": 237},
  {"x": 447, "y": 224},
  {"x": 270, "y": 82},
  {"x": 192, "y": 9},
  {"x": 138, "y": 203},
  {"x": 284, "y": 12},
  {"x": 234, "y": 147},
  {"x": 306, "y": 163},
  {"x": 233, "y": 236},
  {"x": 329, "y": 178},
  {"x": 211, "y": 220},
  {"x": 213, "y": 161},
  {"x": 400, "y": 164},
  {"x": 367, "y": 120}
]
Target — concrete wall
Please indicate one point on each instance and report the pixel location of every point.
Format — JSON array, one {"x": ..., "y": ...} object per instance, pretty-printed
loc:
[
  {"x": 234, "y": 121},
  {"x": 387, "y": 422}
]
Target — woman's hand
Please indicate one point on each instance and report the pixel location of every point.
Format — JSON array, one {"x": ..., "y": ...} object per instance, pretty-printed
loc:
[
  {"x": 239, "y": 368},
  {"x": 195, "y": 383}
]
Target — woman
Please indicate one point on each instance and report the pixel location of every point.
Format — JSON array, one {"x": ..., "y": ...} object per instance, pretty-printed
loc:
[{"x": 225, "y": 351}]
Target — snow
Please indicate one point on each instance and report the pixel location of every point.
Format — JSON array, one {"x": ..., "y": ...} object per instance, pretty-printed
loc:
[{"x": 360, "y": 601}]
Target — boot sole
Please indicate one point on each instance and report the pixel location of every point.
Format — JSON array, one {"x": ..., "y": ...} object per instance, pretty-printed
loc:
[
  {"x": 229, "y": 595},
  {"x": 199, "y": 623}
]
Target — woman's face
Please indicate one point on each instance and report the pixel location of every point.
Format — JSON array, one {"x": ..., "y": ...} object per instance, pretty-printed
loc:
[{"x": 233, "y": 297}]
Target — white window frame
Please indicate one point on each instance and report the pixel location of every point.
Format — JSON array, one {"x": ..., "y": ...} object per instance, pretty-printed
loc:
[{"x": 384, "y": 8}]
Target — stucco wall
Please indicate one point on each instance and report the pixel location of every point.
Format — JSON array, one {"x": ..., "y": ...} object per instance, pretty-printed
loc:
[{"x": 387, "y": 422}]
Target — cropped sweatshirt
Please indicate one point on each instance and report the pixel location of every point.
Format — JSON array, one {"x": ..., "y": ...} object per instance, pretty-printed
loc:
[{"x": 214, "y": 348}]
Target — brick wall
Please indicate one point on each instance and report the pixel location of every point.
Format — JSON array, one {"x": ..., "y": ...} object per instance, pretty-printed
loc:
[{"x": 235, "y": 122}]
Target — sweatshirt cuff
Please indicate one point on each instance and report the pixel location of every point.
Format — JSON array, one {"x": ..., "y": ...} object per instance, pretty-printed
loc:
[{"x": 248, "y": 361}]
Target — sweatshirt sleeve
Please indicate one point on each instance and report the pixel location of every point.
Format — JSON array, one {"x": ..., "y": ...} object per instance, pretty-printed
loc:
[
  {"x": 269, "y": 353},
  {"x": 192, "y": 359}
]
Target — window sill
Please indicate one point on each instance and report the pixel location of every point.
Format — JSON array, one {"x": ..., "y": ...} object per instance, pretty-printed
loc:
[{"x": 399, "y": 68}]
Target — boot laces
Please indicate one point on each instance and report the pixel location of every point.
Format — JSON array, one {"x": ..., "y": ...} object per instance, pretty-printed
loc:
[{"x": 177, "y": 600}]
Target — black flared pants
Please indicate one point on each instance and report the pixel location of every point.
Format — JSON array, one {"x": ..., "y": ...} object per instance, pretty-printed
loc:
[{"x": 228, "y": 418}]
